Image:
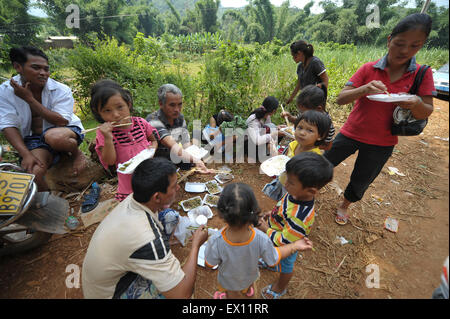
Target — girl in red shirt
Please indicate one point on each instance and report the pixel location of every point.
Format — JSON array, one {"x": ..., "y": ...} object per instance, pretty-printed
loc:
[{"x": 367, "y": 129}]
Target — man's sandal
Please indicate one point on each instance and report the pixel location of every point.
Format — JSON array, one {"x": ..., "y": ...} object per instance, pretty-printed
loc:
[
  {"x": 275, "y": 295},
  {"x": 341, "y": 218}
]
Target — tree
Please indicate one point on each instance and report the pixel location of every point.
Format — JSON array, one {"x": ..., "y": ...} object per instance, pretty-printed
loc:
[
  {"x": 207, "y": 10},
  {"x": 18, "y": 27}
]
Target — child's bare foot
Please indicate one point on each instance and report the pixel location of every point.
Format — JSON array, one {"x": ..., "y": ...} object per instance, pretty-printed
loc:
[{"x": 79, "y": 162}]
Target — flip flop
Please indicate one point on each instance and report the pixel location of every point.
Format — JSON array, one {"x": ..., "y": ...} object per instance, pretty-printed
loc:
[
  {"x": 219, "y": 295},
  {"x": 91, "y": 199},
  {"x": 250, "y": 292},
  {"x": 275, "y": 295},
  {"x": 341, "y": 218}
]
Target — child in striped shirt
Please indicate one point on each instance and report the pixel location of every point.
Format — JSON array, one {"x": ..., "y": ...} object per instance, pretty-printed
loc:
[
  {"x": 293, "y": 216},
  {"x": 314, "y": 98}
]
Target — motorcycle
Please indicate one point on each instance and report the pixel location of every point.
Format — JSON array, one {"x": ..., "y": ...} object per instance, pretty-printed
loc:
[{"x": 28, "y": 218}]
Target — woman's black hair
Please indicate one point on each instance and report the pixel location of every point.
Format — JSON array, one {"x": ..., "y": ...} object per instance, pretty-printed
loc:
[
  {"x": 312, "y": 96},
  {"x": 302, "y": 46},
  {"x": 101, "y": 91},
  {"x": 224, "y": 116},
  {"x": 151, "y": 176},
  {"x": 414, "y": 21},
  {"x": 269, "y": 104},
  {"x": 319, "y": 119},
  {"x": 20, "y": 55},
  {"x": 311, "y": 169},
  {"x": 238, "y": 205}
]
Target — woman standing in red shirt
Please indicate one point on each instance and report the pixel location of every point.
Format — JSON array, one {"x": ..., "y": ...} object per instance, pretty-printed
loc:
[{"x": 368, "y": 127}]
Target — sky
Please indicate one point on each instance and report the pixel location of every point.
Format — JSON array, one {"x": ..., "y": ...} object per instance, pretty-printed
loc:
[{"x": 241, "y": 3}]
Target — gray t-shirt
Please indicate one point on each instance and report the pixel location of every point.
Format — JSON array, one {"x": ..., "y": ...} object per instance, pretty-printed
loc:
[
  {"x": 238, "y": 263},
  {"x": 310, "y": 74},
  {"x": 178, "y": 131}
]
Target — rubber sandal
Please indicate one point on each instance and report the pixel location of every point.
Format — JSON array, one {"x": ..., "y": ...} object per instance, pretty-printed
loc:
[
  {"x": 263, "y": 265},
  {"x": 219, "y": 295},
  {"x": 341, "y": 219},
  {"x": 91, "y": 199},
  {"x": 275, "y": 295},
  {"x": 250, "y": 292}
]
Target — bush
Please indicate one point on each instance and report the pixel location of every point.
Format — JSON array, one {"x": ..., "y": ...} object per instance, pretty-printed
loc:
[{"x": 133, "y": 70}]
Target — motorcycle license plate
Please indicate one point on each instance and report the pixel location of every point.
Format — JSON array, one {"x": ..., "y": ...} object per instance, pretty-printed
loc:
[{"x": 13, "y": 190}]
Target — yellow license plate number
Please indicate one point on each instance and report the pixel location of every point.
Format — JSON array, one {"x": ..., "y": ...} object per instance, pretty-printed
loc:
[{"x": 13, "y": 189}]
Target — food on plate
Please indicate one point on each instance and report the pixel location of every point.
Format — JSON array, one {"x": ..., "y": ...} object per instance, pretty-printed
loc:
[
  {"x": 211, "y": 200},
  {"x": 213, "y": 187},
  {"x": 191, "y": 203}
]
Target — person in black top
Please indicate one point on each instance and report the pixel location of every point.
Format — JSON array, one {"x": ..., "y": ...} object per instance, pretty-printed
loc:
[{"x": 310, "y": 69}]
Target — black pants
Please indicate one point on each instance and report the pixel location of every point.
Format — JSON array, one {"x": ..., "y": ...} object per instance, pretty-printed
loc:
[{"x": 368, "y": 164}]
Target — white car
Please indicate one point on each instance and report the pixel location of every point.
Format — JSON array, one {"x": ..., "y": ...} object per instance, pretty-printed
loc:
[{"x": 441, "y": 81}]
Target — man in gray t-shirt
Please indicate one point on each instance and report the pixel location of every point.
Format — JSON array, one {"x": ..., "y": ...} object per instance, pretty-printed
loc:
[{"x": 172, "y": 127}]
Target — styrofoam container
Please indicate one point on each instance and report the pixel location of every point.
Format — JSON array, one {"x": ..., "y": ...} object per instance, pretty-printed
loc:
[
  {"x": 221, "y": 181},
  {"x": 206, "y": 198},
  {"x": 182, "y": 203},
  {"x": 219, "y": 188},
  {"x": 196, "y": 151},
  {"x": 195, "y": 187},
  {"x": 201, "y": 210},
  {"x": 129, "y": 166}
]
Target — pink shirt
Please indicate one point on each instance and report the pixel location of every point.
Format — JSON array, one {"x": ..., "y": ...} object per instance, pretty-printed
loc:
[
  {"x": 370, "y": 121},
  {"x": 128, "y": 143}
]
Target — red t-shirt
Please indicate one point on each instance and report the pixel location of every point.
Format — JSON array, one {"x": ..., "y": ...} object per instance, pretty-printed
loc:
[{"x": 370, "y": 121}]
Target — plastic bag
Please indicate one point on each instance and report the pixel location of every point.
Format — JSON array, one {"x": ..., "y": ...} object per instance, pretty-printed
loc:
[{"x": 182, "y": 232}]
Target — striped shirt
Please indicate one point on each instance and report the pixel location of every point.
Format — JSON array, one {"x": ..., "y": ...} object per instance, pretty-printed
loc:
[
  {"x": 290, "y": 220},
  {"x": 130, "y": 241},
  {"x": 128, "y": 143}
]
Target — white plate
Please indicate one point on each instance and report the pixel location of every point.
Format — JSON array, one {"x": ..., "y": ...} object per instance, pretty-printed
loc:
[
  {"x": 186, "y": 209},
  {"x": 201, "y": 256},
  {"x": 394, "y": 97},
  {"x": 196, "y": 151},
  {"x": 195, "y": 187},
  {"x": 215, "y": 183},
  {"x": 129, "y": 166},
  {"x": 221, "y": 181},
  {"x": 205, "y": 200},
  {"x": 274, "y": 166}
]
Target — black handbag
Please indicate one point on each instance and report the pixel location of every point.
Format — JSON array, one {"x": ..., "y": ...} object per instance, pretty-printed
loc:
[{"x": 404, "y": 123}]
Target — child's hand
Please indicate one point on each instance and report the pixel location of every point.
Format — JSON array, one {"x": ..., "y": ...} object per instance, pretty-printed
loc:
[
  {"x": 106, "y": 129},
  {"x": 374, "y": 87},
  {"x": 303, "y": 244},
  {"x": 284, "y": 114},
  {"x": 263, "y": 225}
]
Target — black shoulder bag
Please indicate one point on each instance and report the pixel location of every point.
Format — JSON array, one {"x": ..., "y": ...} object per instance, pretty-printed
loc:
[{"x": 404, "y": 123}]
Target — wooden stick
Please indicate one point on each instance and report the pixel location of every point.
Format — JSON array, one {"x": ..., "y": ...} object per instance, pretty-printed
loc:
[
  {"x": 95, "y": 128},
  {"x": 286, "y": 118},
  {"x": 182, "y": 178},
  {"x": 337, "y": 269}
]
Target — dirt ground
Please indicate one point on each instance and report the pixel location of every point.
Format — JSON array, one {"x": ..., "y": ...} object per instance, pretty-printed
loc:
[{"x": 409, "y": 261}]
